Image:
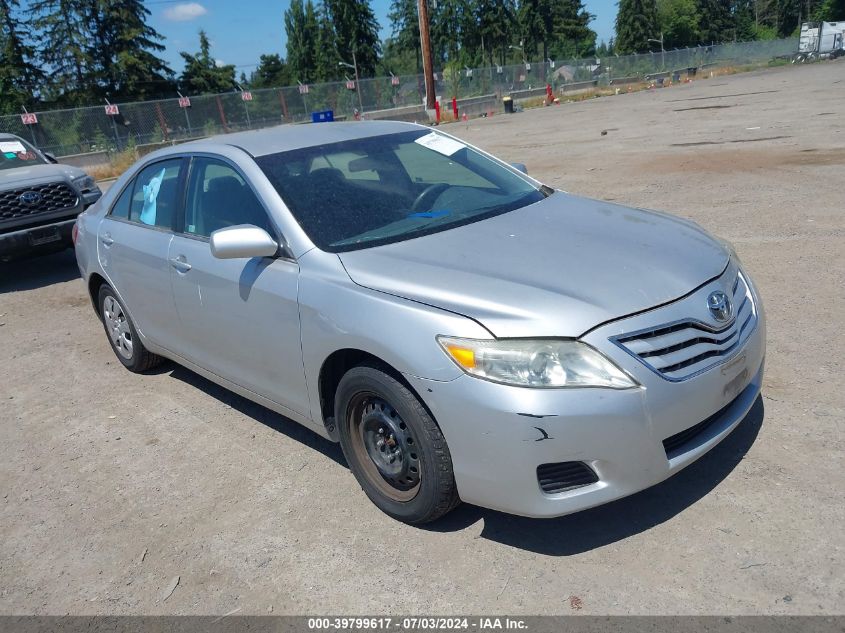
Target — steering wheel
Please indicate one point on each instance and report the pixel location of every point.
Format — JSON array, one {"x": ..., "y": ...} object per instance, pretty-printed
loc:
[{"x": 428, "y": 196}]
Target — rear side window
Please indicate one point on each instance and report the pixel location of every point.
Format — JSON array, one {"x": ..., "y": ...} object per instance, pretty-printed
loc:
[
  {"x": 120, "y": 209},
  {"x": 156, "y": 193}
]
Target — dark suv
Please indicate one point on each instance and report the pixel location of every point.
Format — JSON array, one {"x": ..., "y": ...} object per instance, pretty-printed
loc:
[{"x": 39, "y": 199}]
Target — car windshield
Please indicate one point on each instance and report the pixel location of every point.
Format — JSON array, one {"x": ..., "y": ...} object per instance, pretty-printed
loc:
[
  {"x": 382, "y": 189},
  {"x": 16, "y": 152}
]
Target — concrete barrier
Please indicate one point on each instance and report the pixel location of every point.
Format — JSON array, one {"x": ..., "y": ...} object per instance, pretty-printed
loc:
[
  {"x": 578, "y": 86},
  {"x": 88, "y": 161}
]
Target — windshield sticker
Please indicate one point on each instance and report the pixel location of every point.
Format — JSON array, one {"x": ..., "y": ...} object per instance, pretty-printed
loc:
[
  {"x": 9, "y": 147},
  {"x": 440, "y": 144},
  {"x": 10, "y": 155},
  {"x": 148, "y": 213}
]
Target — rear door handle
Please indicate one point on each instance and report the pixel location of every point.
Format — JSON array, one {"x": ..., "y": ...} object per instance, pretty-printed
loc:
[
  {"x": 106, "y": 239},
  {"x": 180, "y": 264}
]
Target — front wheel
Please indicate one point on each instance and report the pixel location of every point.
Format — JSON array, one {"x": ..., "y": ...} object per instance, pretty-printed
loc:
[{"x": 394, "y": 448}]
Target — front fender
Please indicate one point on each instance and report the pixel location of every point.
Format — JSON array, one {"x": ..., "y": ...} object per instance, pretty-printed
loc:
[{"x": 336, "y": 313}]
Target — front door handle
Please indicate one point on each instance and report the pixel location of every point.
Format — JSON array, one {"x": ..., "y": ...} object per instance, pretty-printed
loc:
[
  {"x": 106, "y": 239},
  {"x": 180, "y": 264}
]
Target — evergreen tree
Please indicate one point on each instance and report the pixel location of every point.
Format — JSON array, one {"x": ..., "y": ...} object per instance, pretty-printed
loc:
[
  {"x": 496, "y": 21},
  {"x": 789, "y": 18},
  {"x": 202, "y": 75},
  {"x": 302, "y": 32},
  {"x": 405, "y": 26},
  {"x": 326, "y": 58},
  {"x": 716, "y": 22},
  {"x": 20, "y": 77},
  {"x": 123, "y": 51},
  {"x": 556, "y": 27},
  {"x": 744, "y": 20},
  {"x": 536, "y": 21},
  {"x": 572, "y": 36},
  {"x": 603, "y": 50},
  {"x": 271, "y": 72},
  {"x": 356, "y": 30},
  {"x": 64, "y": 48},
  {"x": 636, "y": 22},
  {"x": 445, "y": 34},
  {"x": 830, "y": 11}
]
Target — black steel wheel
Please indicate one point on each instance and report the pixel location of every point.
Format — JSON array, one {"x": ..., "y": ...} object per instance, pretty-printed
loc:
[{"x": 394, "y": 448}]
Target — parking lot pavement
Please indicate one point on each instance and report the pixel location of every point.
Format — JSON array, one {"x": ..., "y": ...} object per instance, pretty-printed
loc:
[{"x": 116, "y": 485}]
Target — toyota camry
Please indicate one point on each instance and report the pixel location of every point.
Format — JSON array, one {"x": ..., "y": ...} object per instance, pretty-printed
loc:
[{"x": 463, "y": 330}]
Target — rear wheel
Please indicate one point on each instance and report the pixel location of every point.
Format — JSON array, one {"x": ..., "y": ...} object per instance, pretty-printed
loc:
[
  {"x": 394, "y": 448},
  {"x": 122, "y": 334}
]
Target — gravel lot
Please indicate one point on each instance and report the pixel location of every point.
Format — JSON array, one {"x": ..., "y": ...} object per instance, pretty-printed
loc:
[{"x": 115, "y": 485}]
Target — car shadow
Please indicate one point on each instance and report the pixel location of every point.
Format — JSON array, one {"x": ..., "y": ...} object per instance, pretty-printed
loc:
[
  {"x": 587, "y": 530},
  {"x": 257, "y": 412},
  {"x": 563, "y": 536},
  {"x": 38, "y": 272}
]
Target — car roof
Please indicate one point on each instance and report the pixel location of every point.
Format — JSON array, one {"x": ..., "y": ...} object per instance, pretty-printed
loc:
[
  {"x": 5, "y": 136},
  {"x": 288, "y": 137}
]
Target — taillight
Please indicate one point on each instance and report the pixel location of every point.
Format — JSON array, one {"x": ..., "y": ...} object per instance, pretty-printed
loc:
[{"x": 74, "y": 233}]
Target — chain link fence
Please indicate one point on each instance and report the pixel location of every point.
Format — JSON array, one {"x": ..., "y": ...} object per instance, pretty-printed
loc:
[{"x": 91, "y": 129}]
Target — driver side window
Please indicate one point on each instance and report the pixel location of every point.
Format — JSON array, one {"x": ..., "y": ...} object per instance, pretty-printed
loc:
[{"x": 219, "y": 197}]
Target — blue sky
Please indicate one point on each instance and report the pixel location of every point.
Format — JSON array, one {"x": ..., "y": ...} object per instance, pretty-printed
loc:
[{"x": 241, "y": 30}]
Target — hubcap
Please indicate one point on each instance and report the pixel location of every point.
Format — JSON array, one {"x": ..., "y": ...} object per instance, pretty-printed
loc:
[
  {"x": 117, "y": 327},
  {"x": 389, "y": 449}
]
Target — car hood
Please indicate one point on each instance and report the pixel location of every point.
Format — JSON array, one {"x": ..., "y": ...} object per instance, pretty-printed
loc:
[
  {"x": 558, "y": 267},
  {"x": 37, "y": 174}
]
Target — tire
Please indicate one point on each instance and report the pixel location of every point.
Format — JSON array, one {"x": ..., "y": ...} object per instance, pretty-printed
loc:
[
  {"x": 122, "y": 335},
  {"x": 379, "y": 419}
]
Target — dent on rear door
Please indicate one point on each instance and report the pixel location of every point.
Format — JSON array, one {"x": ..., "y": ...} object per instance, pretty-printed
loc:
[{"x": 134, "y": 258}]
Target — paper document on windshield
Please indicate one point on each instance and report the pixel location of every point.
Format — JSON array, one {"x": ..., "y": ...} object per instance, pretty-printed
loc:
[
  {"x": 439, "y": 143},
  {"x": 12, "y": 146}
]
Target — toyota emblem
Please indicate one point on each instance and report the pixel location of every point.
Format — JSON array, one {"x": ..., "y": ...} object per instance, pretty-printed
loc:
[
  {"x": 30, "y": 198},
  {"x": 720, "y": 306}
]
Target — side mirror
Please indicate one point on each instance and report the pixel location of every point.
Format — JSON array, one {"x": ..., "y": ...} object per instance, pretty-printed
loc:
[
  {"x": 51, "y": 157},
  {"x": 242, "y": 241},
  {"x": 521, "y": 167}
]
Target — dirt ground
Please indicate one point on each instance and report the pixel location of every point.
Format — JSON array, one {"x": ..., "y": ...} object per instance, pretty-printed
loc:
[{"x": 116, "y": 485}]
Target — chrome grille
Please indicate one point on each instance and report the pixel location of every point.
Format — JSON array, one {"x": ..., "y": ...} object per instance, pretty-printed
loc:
[
  {"x": 54, "y": 196},
  {"x": 680, "y": 350}
]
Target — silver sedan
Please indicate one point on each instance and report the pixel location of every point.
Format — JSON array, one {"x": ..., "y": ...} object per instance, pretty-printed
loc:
[{"x": 464, "y": 331}]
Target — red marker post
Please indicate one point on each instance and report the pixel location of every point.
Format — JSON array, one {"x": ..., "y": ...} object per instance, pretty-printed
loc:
[{"x": 455, "y": 107}]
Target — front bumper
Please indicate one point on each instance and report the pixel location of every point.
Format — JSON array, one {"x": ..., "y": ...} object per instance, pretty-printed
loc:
[
  {"x": 498, "y": 435},
  {"x": 36, "y": 240}
]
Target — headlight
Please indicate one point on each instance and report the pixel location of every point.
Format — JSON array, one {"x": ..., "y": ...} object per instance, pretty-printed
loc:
[
  {"x": 85, "y": 183},
  {"x": 535, "y": 363}
]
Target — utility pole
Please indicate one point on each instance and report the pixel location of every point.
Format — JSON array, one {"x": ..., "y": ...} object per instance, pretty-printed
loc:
[{"x": 425, "y": 45}]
